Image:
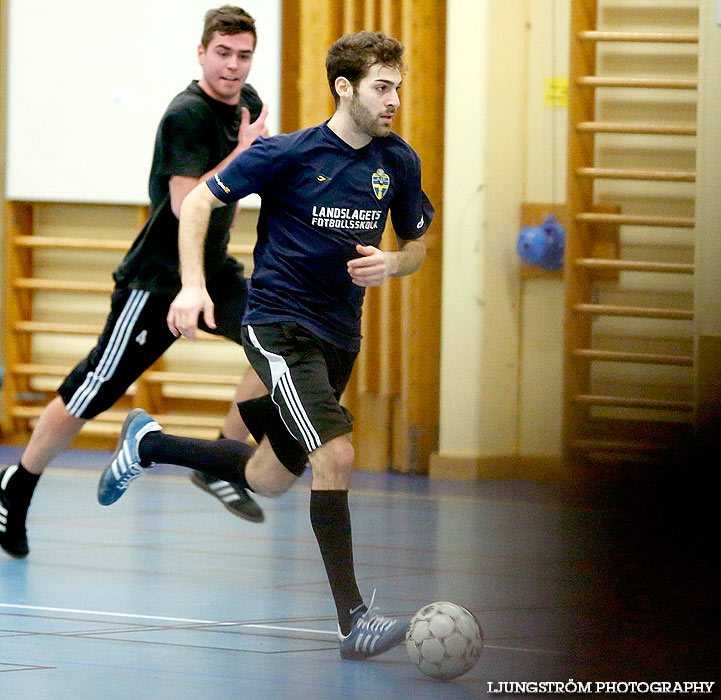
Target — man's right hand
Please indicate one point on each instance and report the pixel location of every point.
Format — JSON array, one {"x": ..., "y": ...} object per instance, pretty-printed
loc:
[
  {"x": 247, "y": 133},
  {"x": 187, "y": 306}
]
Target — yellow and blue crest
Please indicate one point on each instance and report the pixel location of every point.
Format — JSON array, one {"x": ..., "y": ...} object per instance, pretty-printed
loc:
[{"x": 380, "y": 181}]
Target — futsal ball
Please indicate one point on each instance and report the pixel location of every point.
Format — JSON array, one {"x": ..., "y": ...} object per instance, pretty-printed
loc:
[{"x": 444, "y": 640}]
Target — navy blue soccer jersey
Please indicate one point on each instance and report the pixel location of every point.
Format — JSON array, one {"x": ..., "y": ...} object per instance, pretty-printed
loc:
[{"x": 320, "y": 198}]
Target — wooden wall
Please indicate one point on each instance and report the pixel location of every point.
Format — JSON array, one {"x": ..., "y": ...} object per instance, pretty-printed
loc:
[{"x": 395, "y": 387}]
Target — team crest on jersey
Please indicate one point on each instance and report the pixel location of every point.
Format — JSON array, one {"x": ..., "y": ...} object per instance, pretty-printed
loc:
[{"x": 380, "y": 181}]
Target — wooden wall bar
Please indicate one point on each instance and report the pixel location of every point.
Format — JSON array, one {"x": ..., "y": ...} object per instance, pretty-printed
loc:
[
  {"x": 581, "y": 108},
  {"x": 395, "y": 387}
]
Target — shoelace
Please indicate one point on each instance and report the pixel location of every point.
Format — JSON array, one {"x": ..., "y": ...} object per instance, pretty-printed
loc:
[
  {"x": 132, "y": 471},
  {"x": 372, "y": 622}
]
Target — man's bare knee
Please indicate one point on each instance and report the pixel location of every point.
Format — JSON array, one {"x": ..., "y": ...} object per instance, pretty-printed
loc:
[
  {"x": 267, "y": 476},
  {"x": 333, "y": 463},
  {"x": 343, "y": 452}
]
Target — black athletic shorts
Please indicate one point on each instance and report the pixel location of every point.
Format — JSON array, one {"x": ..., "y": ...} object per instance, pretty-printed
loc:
[
  {"x": 305, "y": 377},
  {"x": 135, "y": 335}
]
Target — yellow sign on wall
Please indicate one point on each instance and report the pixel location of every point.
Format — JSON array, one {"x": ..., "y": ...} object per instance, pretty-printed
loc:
[{"x": 556, "y": 91}]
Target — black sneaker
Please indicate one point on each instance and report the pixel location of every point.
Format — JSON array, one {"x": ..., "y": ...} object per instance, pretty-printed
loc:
[
  {"x": 234, "y": 498},
  {"x": 13, "y": 536}
]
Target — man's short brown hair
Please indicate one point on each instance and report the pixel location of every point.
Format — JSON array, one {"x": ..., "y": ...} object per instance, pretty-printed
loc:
[{"x": 227, "y": 20}]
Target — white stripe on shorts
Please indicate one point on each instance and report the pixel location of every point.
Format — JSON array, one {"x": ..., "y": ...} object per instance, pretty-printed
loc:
[
  {"x": 112, "y": 354},
  {"x": 283, "y": 382}
]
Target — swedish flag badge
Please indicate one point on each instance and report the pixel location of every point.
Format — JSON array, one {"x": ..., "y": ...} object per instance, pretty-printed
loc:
[{"x": 380, "y": 182}]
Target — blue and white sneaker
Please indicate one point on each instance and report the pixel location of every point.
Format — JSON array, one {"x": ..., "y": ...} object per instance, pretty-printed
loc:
[
  {"x": 125, "y": 465},
  {"x": 371, "y": 634}
]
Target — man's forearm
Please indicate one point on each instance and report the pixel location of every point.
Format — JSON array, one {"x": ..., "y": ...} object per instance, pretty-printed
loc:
[
  {"x": 192, "y": 230},
  {"x": 408, "y": 258}
]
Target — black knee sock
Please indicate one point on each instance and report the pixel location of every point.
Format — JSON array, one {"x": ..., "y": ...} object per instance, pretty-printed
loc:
[
  {"x": 330, "y": 518},
  {"x": 20, "y": 486},
  {"x": 222, "y": 458}
]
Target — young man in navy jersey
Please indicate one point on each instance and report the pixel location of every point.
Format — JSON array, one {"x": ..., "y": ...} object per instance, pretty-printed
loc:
[
  {"x": 204, "y": 127},
  {"x": 326, "y": 195}
]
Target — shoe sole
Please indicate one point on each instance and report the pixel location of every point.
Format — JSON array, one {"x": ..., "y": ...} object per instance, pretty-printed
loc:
[
  {"x": 353, "y": 655},
  {"x": 16, "y": 555},
  {"x": 126, "y": 424},
  {"x": 197, "y": 481}
]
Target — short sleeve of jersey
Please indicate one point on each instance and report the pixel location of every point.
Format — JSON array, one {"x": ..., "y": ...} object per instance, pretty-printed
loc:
[
  {"x": 411, "y": 211},
  {"x": 250, "y": 171},
  {"x": 185, "y": 136}
]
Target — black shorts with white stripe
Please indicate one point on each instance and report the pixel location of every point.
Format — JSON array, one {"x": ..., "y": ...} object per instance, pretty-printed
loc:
[
  {"x": 305, "y": 377},
  {"x": 135, "y": 336}
]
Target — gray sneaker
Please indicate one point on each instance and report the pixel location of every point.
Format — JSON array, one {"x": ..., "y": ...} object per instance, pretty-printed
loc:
[
  {"x": 125, "y": 465},
  {"x": 371, "y": 634}
]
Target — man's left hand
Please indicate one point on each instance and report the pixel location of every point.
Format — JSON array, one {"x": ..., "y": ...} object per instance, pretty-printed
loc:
[{"x": 372, "y": 269}]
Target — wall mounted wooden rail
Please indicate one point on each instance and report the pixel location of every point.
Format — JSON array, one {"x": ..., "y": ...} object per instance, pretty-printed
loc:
[
  {"x": 601, "y": 445},
  {"x": 636, "y": 220},
  {"x": 35, "y": 368},
  {"x": 629, "y": 402},
  {"x": 163, "y": 377},
  {"x": 62, "y": 243},
  {"x": 599, "y": 81},
  {"x": 52, "y": 327},
  {"x": 151, "y": 376},
  {"x": 108, "y": 431},
  {"x": 171, "y": 419},
  {"x": 627, "y": 128},
  {"x": 635, "y": 311},
  {"x": 654, "y": 37},
  {"x": 637, "y": 357},
  {"x": 110, "y": 244},
  {"x": 78, "y": 329},
  {"x": 621, "y": 174},
  {"x": 40, "y": 285},
  {"x": 634, "y": 265}
]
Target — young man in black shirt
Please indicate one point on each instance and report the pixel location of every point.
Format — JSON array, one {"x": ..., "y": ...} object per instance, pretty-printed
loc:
[{"x": 203, "y": 129}]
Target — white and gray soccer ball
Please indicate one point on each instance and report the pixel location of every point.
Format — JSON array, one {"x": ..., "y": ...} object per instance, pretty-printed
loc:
[{"x": 444, "y": 640}]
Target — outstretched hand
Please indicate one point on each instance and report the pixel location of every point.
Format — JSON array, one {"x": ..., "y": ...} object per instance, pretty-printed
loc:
[
  {"x": 371, "y": 269},
  {"x": 249, "y": 132},
  {"x": 187, "y": 306}
]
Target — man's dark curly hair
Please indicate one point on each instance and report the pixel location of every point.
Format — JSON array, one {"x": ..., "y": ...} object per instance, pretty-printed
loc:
[{"x": 353, "y": 54}]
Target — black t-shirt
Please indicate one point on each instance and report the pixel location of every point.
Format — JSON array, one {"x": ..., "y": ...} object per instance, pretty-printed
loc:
[{"x": 194, "y": 135}]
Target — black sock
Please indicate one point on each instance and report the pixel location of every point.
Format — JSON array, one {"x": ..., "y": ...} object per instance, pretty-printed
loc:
[
  {"x": 222, "y": 458},
  {"x": 330, "y": 518},
  {"x": 247, "y": 486},
  {"x": 20, "y": 487}
]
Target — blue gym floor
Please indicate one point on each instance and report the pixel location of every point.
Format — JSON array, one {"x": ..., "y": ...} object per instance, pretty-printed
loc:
[{"x": 165, "y": 595}]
